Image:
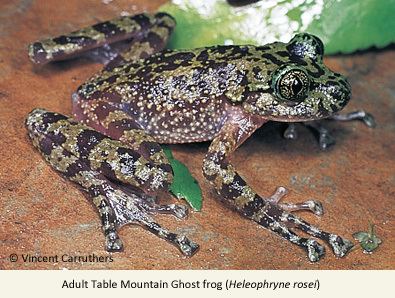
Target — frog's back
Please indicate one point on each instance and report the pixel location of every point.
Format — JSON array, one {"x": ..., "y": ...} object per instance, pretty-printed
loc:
[
  {"x": 178, "y": 95},
  {"x": 181, "y": 74}
]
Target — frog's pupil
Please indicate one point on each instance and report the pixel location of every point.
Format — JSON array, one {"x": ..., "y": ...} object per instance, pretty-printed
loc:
[{"x": 297, "y": 86}]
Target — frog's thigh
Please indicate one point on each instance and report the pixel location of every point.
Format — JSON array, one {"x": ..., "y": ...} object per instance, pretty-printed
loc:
[
  {"x": 123, "y": 164},
  {"x": 106, "y": 118},
  {"x": 121, "y": 126}
]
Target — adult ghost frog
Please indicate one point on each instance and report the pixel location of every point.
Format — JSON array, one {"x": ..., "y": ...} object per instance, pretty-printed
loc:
[{"x": 147, "y": 95}]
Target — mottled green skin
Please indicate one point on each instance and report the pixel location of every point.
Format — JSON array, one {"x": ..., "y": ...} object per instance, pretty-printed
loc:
[{"x": 221, "y": 93}]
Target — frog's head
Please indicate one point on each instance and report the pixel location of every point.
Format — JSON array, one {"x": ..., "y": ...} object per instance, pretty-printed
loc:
[{"x": 293, "y": 84}]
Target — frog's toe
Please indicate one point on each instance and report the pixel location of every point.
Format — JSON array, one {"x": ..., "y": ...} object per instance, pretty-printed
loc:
[
  {"x": 339, "y": 245},
  {"x": 315, "y": 251},
  {"x": 362, "y": 115},
  {"x": 291, "y": 133},
  {"x": 186, "y": 246},
  {"x": 369, "y": 120},
  {"x": 325, "y": 139},
  {"x": 310, "y": 205},
  {"x": 180, "y": 211},
  {"x": 315, "y": 207},
  {"x": 113, "y": 242}
]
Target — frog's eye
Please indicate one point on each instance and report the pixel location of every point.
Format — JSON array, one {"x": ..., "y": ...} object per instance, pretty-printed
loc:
[
  {"x": 291, "y": 83},
  {"x": 306, "y": 45}
]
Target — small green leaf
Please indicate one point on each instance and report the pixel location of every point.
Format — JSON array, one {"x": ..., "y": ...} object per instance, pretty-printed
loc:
[
  {"x": 184, "y": 186},
  {"x": 368, "y": 240},
  {"x": 360, "y": 236},
  {"x": 369, "y": 245},
  {"x": 168, "y": 152}
]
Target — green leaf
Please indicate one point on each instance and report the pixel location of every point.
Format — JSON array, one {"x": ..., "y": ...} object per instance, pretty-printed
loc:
[
  {"x": 361, "y": 236},
  {"x": 343, "y": 25},
  {"x": 368, "y": 240},
  {"x": 168, "y": 152},
  {"x": 184, "y": 186}
]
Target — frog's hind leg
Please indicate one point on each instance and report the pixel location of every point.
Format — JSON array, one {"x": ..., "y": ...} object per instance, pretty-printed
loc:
[
  {"x": 179, "y": 211},
  {"x": 118, "y": 208},
  {"x": 95, "y": 163},
  {"x": 104, "y": 40},
  {"x": 106, "y": 118}
]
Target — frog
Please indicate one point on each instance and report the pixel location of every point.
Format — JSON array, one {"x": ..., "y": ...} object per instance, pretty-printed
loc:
[{"x": 147, "y": 95}]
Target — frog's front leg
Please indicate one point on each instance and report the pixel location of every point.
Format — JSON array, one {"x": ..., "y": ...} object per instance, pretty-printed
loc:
[
  {"x": 361, "y": 115},
  {"x": 267, "y": 212},
  {"x": 325, "y": 139}
]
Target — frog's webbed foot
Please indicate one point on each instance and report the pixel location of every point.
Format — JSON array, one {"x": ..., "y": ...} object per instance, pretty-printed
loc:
[
  {"x": 186, "y": 246},
  {"x": 286, "y": 220},
  {"x": 325, "y": 139},
  {"x": 131, "y": 209},
  {"x": 278, "y": 220},
  {"x": 310, "y": 205},
  {"x": 339, "y": 245}
]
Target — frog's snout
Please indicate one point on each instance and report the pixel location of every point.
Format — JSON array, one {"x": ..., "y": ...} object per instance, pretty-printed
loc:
[
  {"x": 343, "y": 92},
  {"x": 334, "y": 95}
]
